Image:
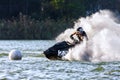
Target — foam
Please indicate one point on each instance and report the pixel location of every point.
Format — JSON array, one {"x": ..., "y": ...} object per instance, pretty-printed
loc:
[{"x": 103, "y": 31}]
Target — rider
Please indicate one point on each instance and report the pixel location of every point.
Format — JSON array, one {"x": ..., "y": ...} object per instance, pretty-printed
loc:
[{"x": 80, "y": 33}]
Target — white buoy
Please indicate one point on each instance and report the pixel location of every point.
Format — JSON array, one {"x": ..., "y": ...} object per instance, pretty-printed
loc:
[{"x": 15, "y": 55}]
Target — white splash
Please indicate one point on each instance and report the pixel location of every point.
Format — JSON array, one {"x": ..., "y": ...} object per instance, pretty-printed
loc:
[{"x": 103, "y": 31}]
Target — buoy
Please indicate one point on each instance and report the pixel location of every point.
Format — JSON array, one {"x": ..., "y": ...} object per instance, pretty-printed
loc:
[{"x": 15, "y": 55}]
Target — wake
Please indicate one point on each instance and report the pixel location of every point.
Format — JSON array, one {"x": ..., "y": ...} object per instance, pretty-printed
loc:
[{"x": 103, "y": 30}]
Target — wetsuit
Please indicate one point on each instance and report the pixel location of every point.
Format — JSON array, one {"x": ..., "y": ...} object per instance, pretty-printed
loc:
[{"x": 80, "y": 36}]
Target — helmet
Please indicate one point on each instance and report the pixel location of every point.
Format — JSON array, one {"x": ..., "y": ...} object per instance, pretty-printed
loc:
[{"x": 80, "y": 29}]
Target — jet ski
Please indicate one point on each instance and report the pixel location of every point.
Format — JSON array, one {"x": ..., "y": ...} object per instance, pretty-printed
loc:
[{"x": 58, "y": 50}]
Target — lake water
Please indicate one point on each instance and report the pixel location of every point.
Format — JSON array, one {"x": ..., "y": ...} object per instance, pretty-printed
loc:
[{"x": 34, "y": 66}]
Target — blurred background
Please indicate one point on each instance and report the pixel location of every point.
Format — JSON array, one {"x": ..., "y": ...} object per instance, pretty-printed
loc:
[{"x": 45, "y": 19}]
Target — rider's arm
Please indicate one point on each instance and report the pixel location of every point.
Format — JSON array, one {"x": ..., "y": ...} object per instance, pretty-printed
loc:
[{"x": 71, "y": 36}]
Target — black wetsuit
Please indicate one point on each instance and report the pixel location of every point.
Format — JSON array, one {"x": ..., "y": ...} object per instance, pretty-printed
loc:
[{"x": 79, "y": 35}]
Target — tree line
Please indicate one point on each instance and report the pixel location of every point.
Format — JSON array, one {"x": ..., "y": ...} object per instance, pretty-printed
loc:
[{"x": 45, "y": 19}]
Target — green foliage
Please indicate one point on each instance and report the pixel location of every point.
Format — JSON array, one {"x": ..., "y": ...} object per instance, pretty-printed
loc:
[
  {"x": 57, "y": 3},
  {"x": 47, "y": 18},
  {"x": 27, "y": 28}
]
